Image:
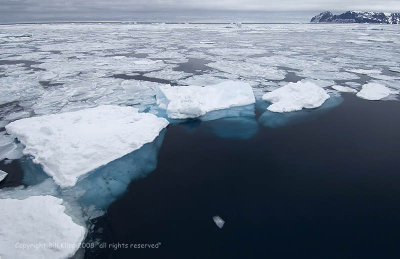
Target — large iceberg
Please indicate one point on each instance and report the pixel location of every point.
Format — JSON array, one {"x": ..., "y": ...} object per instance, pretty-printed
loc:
[
  {"x": 181, "y": 102},
  {"x": 37, "y": 227},
  {"x": 375, "y": 91},
  {"x": 71, "y": 144},
  {"x": 296, "y": 96}
]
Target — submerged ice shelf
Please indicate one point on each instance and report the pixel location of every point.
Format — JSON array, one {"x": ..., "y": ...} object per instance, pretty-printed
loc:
[{"x": 69, "y": 145}]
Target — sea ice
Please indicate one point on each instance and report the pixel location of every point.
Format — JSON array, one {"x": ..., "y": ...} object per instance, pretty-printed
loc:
[
  {"x": 8, "y": 148},
  {"x": 219, "y": 221},
  {"x": 375, "y": 91},
  {"x": 3, "y": 175},
  {"x": 69, "y": 145},
  {"x": 395, "y": 69},
  {"x": 183, "y": 102},
  {"x": 365, "y": 71},
  {"x": 281, "y": 119},
  {"x": 344, "y": 89},
  {"x": 105, "y": 184},
  {"x": 37, "y": 227},
  {"x": 296, "y": 96},
  {"x": 168, "y": 74}
]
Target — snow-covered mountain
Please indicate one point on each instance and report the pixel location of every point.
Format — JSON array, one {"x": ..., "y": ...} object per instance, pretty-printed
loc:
[{"x": 357, "y": 17}]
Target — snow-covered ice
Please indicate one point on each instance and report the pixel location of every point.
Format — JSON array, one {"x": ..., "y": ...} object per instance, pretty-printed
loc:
[
  {"x": 280, "y": 119},
  {"x": 366, "y": 71},
  {"x": 37, "y": 227},
  {"x": 181, "y": 102},
  {"x": 296, "y": 96},
  {"x": 8, "y": 148},
  {"x": 107, "y": 183},
  {"x": 69, "y": 145},
  {"x": 3, "y": 175},
  {"x": 375, "y": 91},
  {"x": 219, "y": 221},
  {"x": 344, "y": 89}
]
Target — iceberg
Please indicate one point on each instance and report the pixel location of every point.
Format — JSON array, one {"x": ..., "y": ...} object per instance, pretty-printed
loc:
[
  {"x": 295, "y": 97},
  {"x": 181, "y": 102},
  {"x": 3, "y": 175},
  {"x": 37, "y": 227},
  {"x": 375, "y": 92},
  {"x": 69, "y": 145}
]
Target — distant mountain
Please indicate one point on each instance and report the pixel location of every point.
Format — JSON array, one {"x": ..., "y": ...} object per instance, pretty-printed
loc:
[{"x": 357, "y": 17}]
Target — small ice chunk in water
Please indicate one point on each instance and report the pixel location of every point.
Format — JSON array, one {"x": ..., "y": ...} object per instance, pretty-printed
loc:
[
  {"x": 375, "y": 91},
  {"x": 344, "y": 89},
  {"x": 2, "y": 175},
  {"x": 296, "y": 96},
  {"x": 219, "y": 221},
  {"x": 193, "y": 101}
]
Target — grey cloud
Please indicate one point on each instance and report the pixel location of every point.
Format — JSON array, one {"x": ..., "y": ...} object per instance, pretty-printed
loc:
[{"x": 17, "y": 10}]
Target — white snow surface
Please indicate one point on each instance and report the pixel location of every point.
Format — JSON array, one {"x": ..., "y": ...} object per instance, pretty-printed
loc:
[
  {"x": 375, "y": 92},
  {"x": 37, "y": 227},
  {"x": 69, "y": 145},
  {"x": 2, "y": 175},
  {"x": 296, "y": 96},
  {"x": 344, "y": 89},
  {"x": 193, "y": 101}
]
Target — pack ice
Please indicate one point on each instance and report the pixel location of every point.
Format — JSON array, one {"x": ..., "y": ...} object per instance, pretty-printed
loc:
[
  {"x": 71, "y": 144},
  {"x": 375, "y": 91},
  {"x": 181, "y": 102},
  {"x": 296, "y": 96},
  {"x": 32, "y": 229}
]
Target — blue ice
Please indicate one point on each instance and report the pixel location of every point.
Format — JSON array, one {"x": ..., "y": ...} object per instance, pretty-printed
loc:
[{"x": 277, "y": 119}]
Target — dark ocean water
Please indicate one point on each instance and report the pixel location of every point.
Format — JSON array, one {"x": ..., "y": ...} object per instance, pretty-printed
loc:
[{"x": 324, "y": 187}]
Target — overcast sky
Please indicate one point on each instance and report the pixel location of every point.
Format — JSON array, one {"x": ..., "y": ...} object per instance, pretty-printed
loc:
[{"x": 16, "y": 10}]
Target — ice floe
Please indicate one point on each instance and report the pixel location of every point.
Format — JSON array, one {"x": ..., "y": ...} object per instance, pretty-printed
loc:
[
  {"x": 375, "y": 91},
  {"x": 219, "y": 221},
  {"x": 69, "y": 145},
  {"x": 344, "y": 89},
  {"x": 8, "y": 148},
  {"x": 105, "y": 184},
  {"x": 181, "y": 102},
  {"x": 37, "y": 227},
  {"x": 3, "y": 175},
  {"x": 296, "y": 96},
  {"x": 366, "y": 71},
  {"x": 281, "y": 119}
]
